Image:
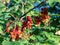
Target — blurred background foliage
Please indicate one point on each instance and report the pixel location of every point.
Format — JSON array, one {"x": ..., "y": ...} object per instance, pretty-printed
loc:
[{"x": 43, "y": 35}]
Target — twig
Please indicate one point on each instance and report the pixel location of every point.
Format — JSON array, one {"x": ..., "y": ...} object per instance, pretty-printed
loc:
[
  {"x": 13, "y": 16},
  {"x": 23, "y": 7},
  {"x": 30, "y": 10}
]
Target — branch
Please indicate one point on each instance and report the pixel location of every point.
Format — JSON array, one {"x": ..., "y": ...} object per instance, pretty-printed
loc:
[
  {"x": 13, "y": 16},
  {"x": 30, "y": 10},
  {"x": 23, "y": 6}
]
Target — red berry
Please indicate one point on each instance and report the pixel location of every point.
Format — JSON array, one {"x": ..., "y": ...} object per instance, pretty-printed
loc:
[
  {"x": 44, "y": 11},
  {"x": 8, "y": 24},
  {"x": 7, "y": 30},
  {"x": 17, "y": 27},
  {"x": 37, "y": 20},
  {"x": 29, "y": 19},
  {"x": 27, "y": 23},
  {"x": 45, "y": 17},
  {"x": 12, "y": 36},
  {"x": 13, "y": 30}
]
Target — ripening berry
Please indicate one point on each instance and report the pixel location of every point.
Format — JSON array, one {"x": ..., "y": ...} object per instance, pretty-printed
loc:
[
  {"x": 13, "y": 30},
  {"x": 45, "y": 17},
  {"x": 37, "y": 20},
  {"x": 21, "y": 34},
  {"x": 12, "y": 36},
  {"x": 17, "y": 27},
  {"x": 44, "y": 11},
  {"x": 29, "y": 22},
  {"x": 24, "y": 24},
  {"x": 17, "y": 38},
  {"x": 8, "y": 24},
  {"x": 7, "y": 30}
]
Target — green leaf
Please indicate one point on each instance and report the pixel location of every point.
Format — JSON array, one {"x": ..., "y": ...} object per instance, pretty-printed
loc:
[
  {"x": 18, "y": 23},
  {"x": 16, "y": 43},
  {"x": 1, "y": 7},
  {"x": 6, "y": 42},
  {"x": 1, "y": 39},
  {"x": 51, "y": 1},
  {"x": 33, "y": 37},
  {"x": 1, "y": 27}
]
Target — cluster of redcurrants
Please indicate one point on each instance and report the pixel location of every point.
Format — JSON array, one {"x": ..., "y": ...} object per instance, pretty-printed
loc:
[
  {"x": 16, "y": 32},
  {"x": 44, "y": 17}
]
